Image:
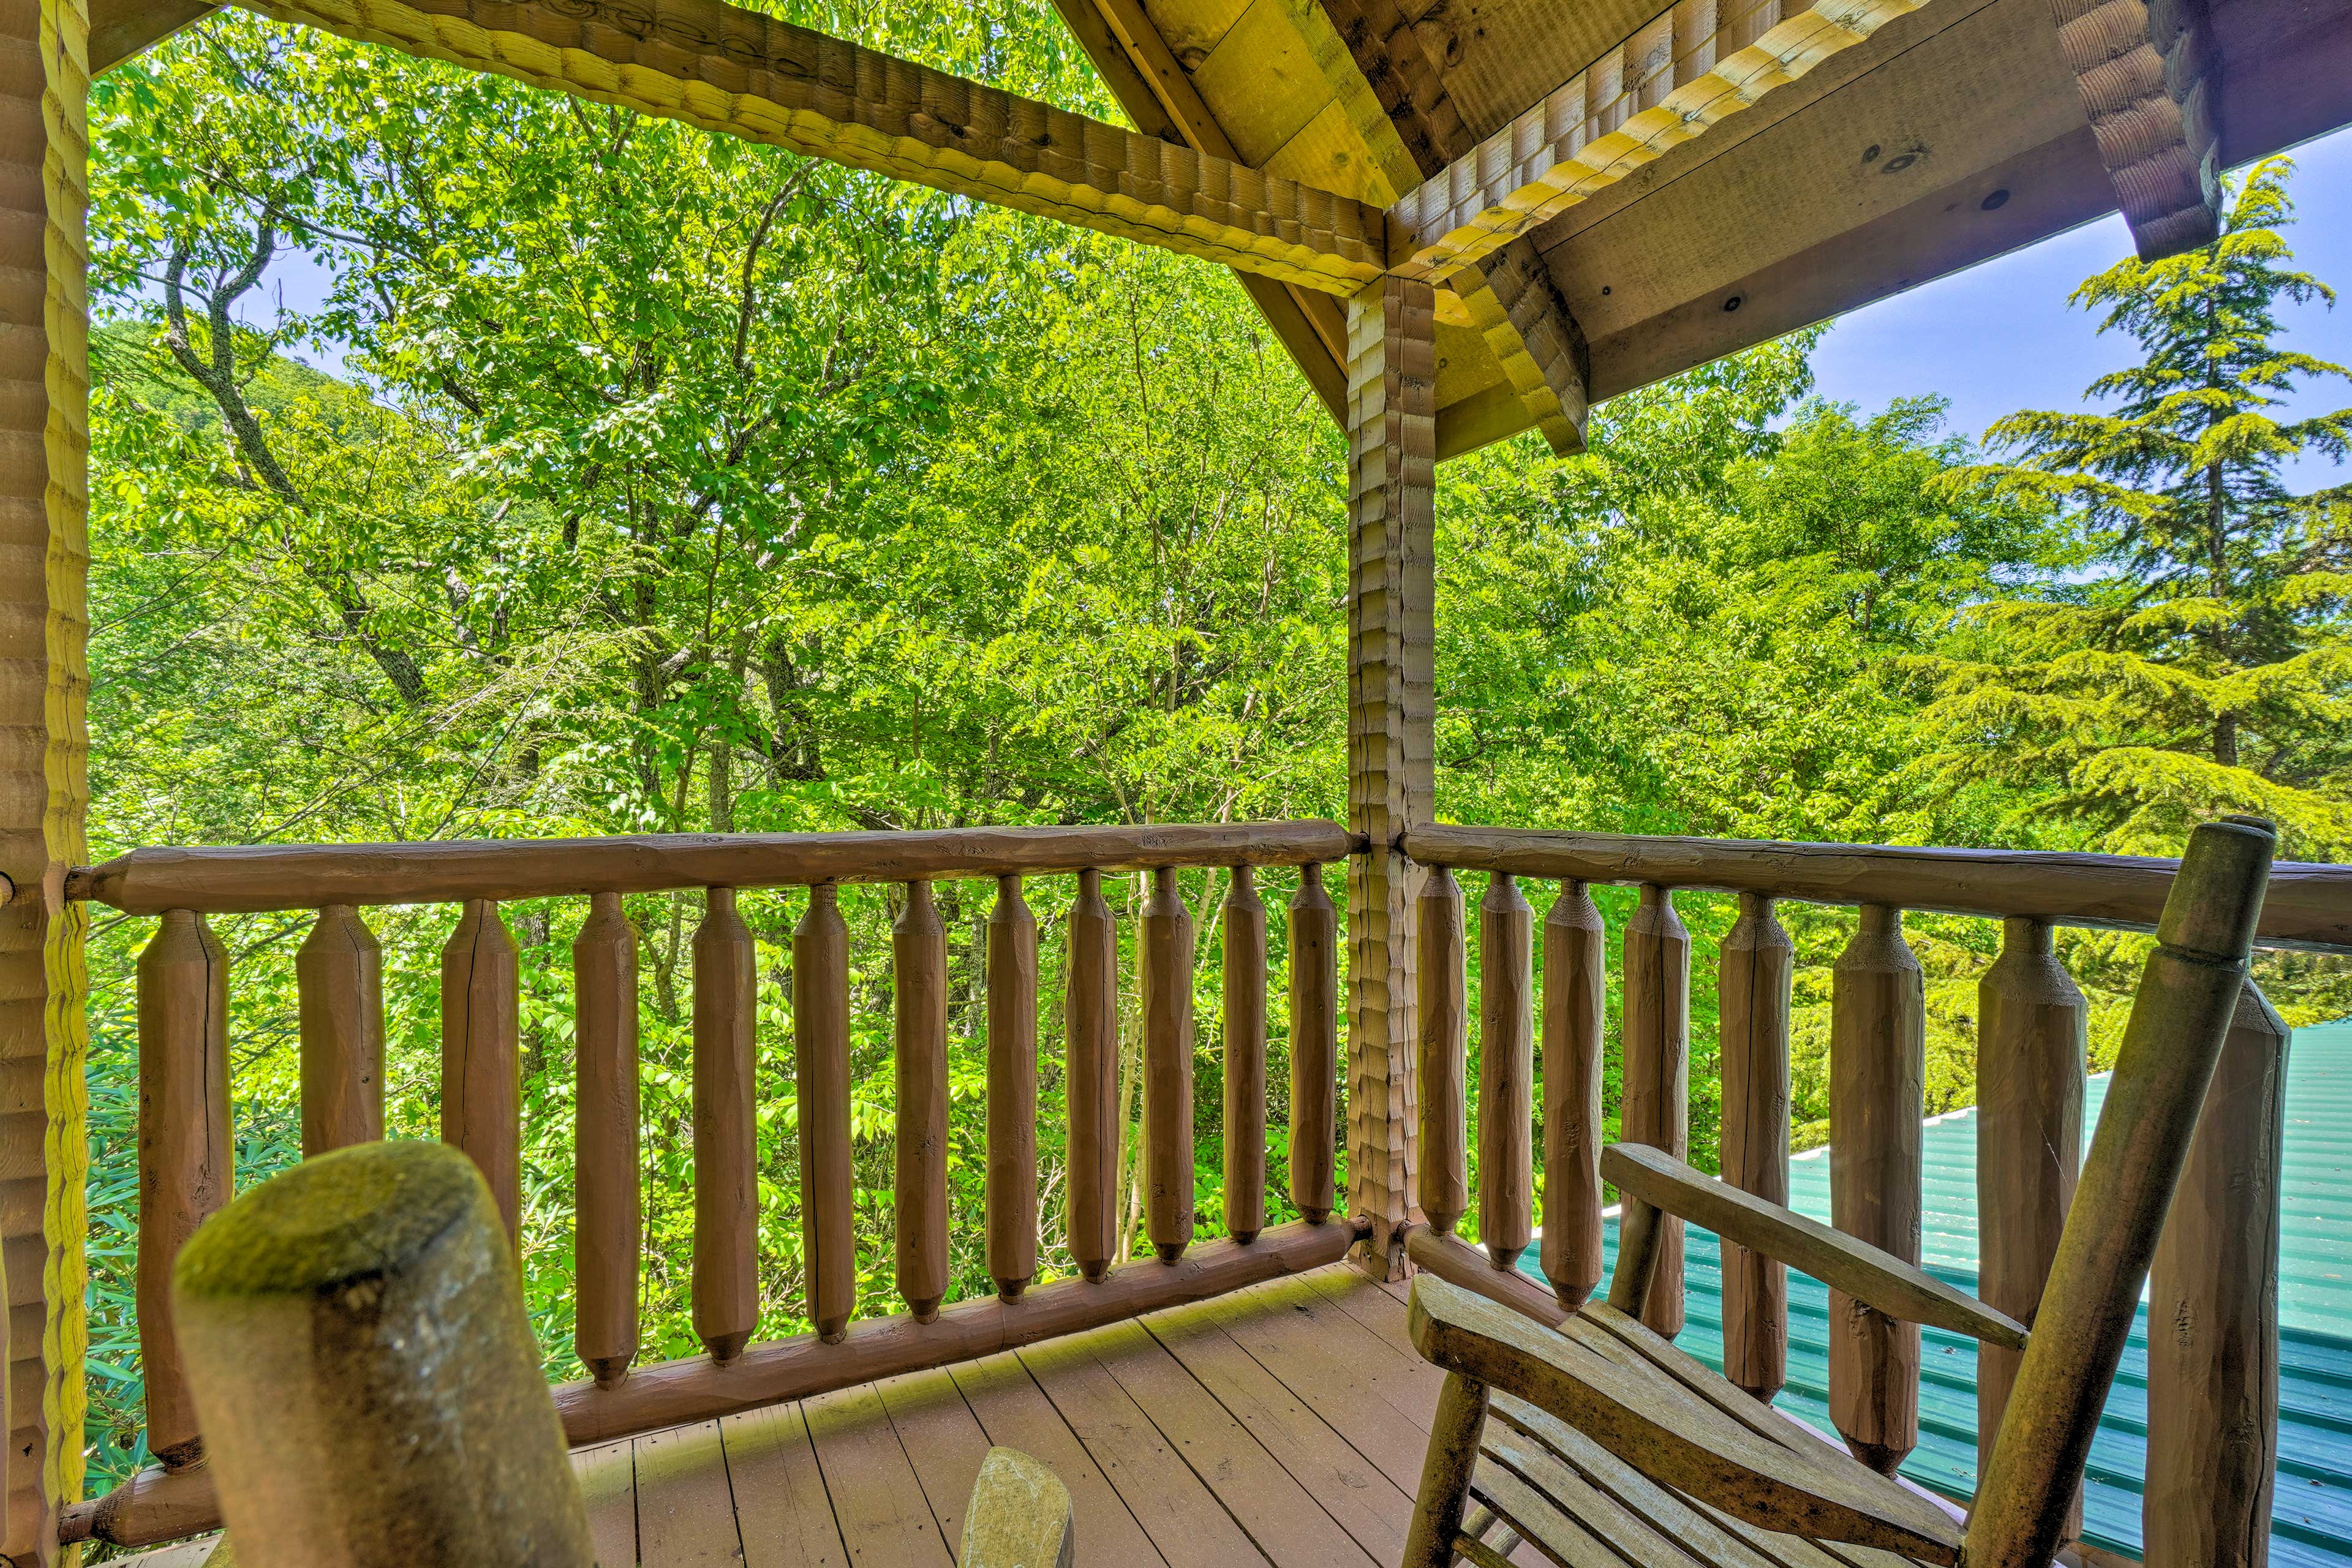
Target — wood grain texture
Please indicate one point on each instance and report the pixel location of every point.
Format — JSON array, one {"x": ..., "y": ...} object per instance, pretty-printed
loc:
[
  {"x": 608, "y": 1205},
  {"x": 1655, "y": 1038},
  {"x": 1879, "y": 1067},
  {"x": 2145, "y": 72},
  {"x": 1506, "y": 1070},
  {"x": 186, "y": 1154},
  {"x": 726, "y": 1152},
  {"x": 1090, "y": 1037},
  {"x": 339, "y": 972},
  {"x": 1575, "y": 1005},
  {"x": 1011, "y": 1176},
  {"x": 821, "y": 1071},
  {"x": 1442, "y": 1059},
  {"x": 1454, "y": 1434},
  {"x": 1758, "y": 968},
  {"x": 1314, "y": 1044},
  {"x": 1166, "y": 941},
  {"x": 481, "y": 1061},
  {"x": 918, "y": 946},
  {"x": 1245, "y": 1061}
]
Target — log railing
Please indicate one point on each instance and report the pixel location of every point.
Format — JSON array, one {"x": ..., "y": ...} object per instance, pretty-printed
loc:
[
  {"x": 185, "y": 1134},
  {"x": 2212, "y": 1427}
]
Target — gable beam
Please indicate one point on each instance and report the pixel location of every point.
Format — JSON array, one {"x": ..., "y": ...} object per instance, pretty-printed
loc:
[{"x": 2143, "y": 70}]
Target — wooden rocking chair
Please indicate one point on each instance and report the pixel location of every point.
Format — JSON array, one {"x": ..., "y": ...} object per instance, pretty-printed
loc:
[{"x": 1602, "y": 1432}]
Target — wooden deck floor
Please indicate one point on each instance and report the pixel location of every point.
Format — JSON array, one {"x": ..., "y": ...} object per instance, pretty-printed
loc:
[{"x": 1281, "y": 1425}]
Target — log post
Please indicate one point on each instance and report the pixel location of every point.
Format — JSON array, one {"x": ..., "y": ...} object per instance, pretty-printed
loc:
[
  {"x": 1575, "y": 1000},
  {"x": 1392, "y": 529},
  {"x": 1167, "y": 942},
  {"x": 339, "y": 975},
  {"x": 481, "y": 1061},
  {"x": 1442, "y": 1070},
  {"x": 1507, "y": 1071},
  {"x": 821, "y": 1073},
  {"x": 1756, "y": 977},
  {"x": 2031, "y": 1036},
  {"x": 918, "y": 951},
  {"x": 2213, "y": 1371},
  {"x": 726, "y": 1152},
  {"x": 1091, "y": 1035},
  {"x": 1011, "y": 1091},
  {"x": 1313, "y": 1045},
  {"x": 1244, "y": 1098},
  {"x": 609, "y": 1211},
  {"x": 1656, "y": 1035},
  {"x": 1879, "y": 1067},
  {"x": 186, "y": 1151}
]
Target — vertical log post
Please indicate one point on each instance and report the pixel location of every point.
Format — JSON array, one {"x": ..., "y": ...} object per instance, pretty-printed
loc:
[
  {"x": 1441, "y": 1071},
  {"x": 1657, "y": 1042},
  {"x": 1090, "y": 1033},
  {"x": 1167, "y": 940},
  {"x": 1754, "y": 990},
  {"x": 481, "y": 1060},
  {"x": 726, "y": 1149},
  {"x": 1313, "y": 1045},
  {"x": 918, "y": 951},
  {"x": 1392, "y": 528},
  {"x": 339, "y": 975},
  {"x": 821, "y": 1068},
  {"x": 608, "y": 1205},
  {"x": 1575, "y": 1001},
  {"x": 185, "y": 1151},
  {"x": 2213, "y": 1360},
  {"x": 1507, "y": 1071},
  {"x": 1879, "y": 1067},
  {"x": 1244, "y": 1099},
  {"x": 2031, "y": 1033},
  {"x": 1011, "y": 1091}
]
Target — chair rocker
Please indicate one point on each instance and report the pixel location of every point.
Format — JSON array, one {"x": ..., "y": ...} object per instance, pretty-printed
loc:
[{"x": 1600, "y": 1442}]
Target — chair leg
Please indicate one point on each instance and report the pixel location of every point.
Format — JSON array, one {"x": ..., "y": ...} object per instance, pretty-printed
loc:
[{"x": 1454, "y": 1436}]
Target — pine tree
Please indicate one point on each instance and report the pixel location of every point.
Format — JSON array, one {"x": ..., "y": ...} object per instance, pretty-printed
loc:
[{"x": 2198, "y": 659}]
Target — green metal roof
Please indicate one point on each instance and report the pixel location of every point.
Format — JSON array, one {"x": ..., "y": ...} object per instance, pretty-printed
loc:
[{"x": 2311, "y": 1518}]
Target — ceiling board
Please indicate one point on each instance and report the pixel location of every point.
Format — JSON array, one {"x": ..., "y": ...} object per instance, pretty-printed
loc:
[
  {"x": 1194, "y": 27},
  {"x": 1262, "y": 82},
  {"x": 1500, "y": 57},
  {"x": 1327, "y": 152}
]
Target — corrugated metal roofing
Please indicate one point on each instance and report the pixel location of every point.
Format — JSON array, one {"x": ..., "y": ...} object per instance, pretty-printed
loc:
[{"x": 2312, "y": 1519}]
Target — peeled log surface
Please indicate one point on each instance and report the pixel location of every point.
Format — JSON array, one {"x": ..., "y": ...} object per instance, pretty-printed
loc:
[
  {"x": 1657, "y": 1042},
  {"x": 1507, "y": 1071},
  {"x": 821, "y": 1063},
  {"x": 918, "y": 943},
  {"x": 726, "y": 1155},
  {"x": 2031, "y": 1036},
  {"x": 1878, "y": 1069},
  {"x": 186, "y": 1154},
  {"x": 1314, "y": 1044},
  {"x": 1756, "y": 979},
  {"x": 1443, "y": 1051},
  {"x": 610, "y": 1214},
  {"x": 2213, "y": 1379},
  {"x": 1575, "y": 1006},
  {"x": 1090, "y": 1035},
  {"x": 1011, "y": 1091},
  {"x": 1245, "y": 1097},
  {"x": 2308, "y": 906},
  {"x": 340, "y": 973},
  {"x": 1166, "y": 940},
  {"x": 308, "y": 875},
  {"x": 481, "y": 1064}
]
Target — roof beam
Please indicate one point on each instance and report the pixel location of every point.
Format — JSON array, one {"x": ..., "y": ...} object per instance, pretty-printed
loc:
[{"x": 2143, "y": 70}]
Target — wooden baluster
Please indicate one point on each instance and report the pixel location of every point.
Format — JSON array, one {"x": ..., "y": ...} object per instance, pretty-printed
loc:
[
  {"x": 918, "y": 946},
  {"x": 2213, "y": 1379},
  {"x": 726, "y": 1155},
  {"x": 609, "y": 1212},
  {"x": 1167, "y": 939},
  {"x": 1878, "y": 1069},
  {"x": 185, "y": 1151},
  {"x": 1244, "y": 1058},
  {"x": 1090, "y": 1029},
  {"x": 1442, "y": 1066},
  {"x": 1506, "y": 1070},
  {"x": 821, "y": 1068},
  {"x": 481, "y": 1060},
  {"x": 1575, "y": 998},
  {"x": 1758, "y": 969},
  {"x": 1011, "y": 1091},
  {"x": 1313, "y": 1045},
  {"x": 1655, "y": 1109},
  {"x": 2031, "y": 1033},
  {"x": 339, "y": 974}
]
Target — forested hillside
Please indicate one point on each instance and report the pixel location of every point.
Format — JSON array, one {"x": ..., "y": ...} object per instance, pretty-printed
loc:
[{"x": 664, "y": 482}]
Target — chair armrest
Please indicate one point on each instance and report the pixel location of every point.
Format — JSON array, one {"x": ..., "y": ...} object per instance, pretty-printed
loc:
[{"x": 1877, "y": 1279}]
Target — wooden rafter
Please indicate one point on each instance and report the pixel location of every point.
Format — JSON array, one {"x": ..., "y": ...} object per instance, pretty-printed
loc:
[{"x": 2144, "y": 72}]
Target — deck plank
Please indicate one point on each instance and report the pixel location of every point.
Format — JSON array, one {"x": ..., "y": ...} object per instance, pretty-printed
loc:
[
  {"x": 686, "y": 1513},
  {"x": 608, "y": 1485},
  {"x": 877, "y": 1501},
  {"x": 943, "y": 1441},
  {"x": 781, "y": 1503},
  {"x": 1015, "y": 1414}
]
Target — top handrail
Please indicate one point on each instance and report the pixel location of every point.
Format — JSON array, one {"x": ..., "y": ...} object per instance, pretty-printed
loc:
[
  {"x": 248, "y": 878},
  {"x": 2309, "y": 904}
]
